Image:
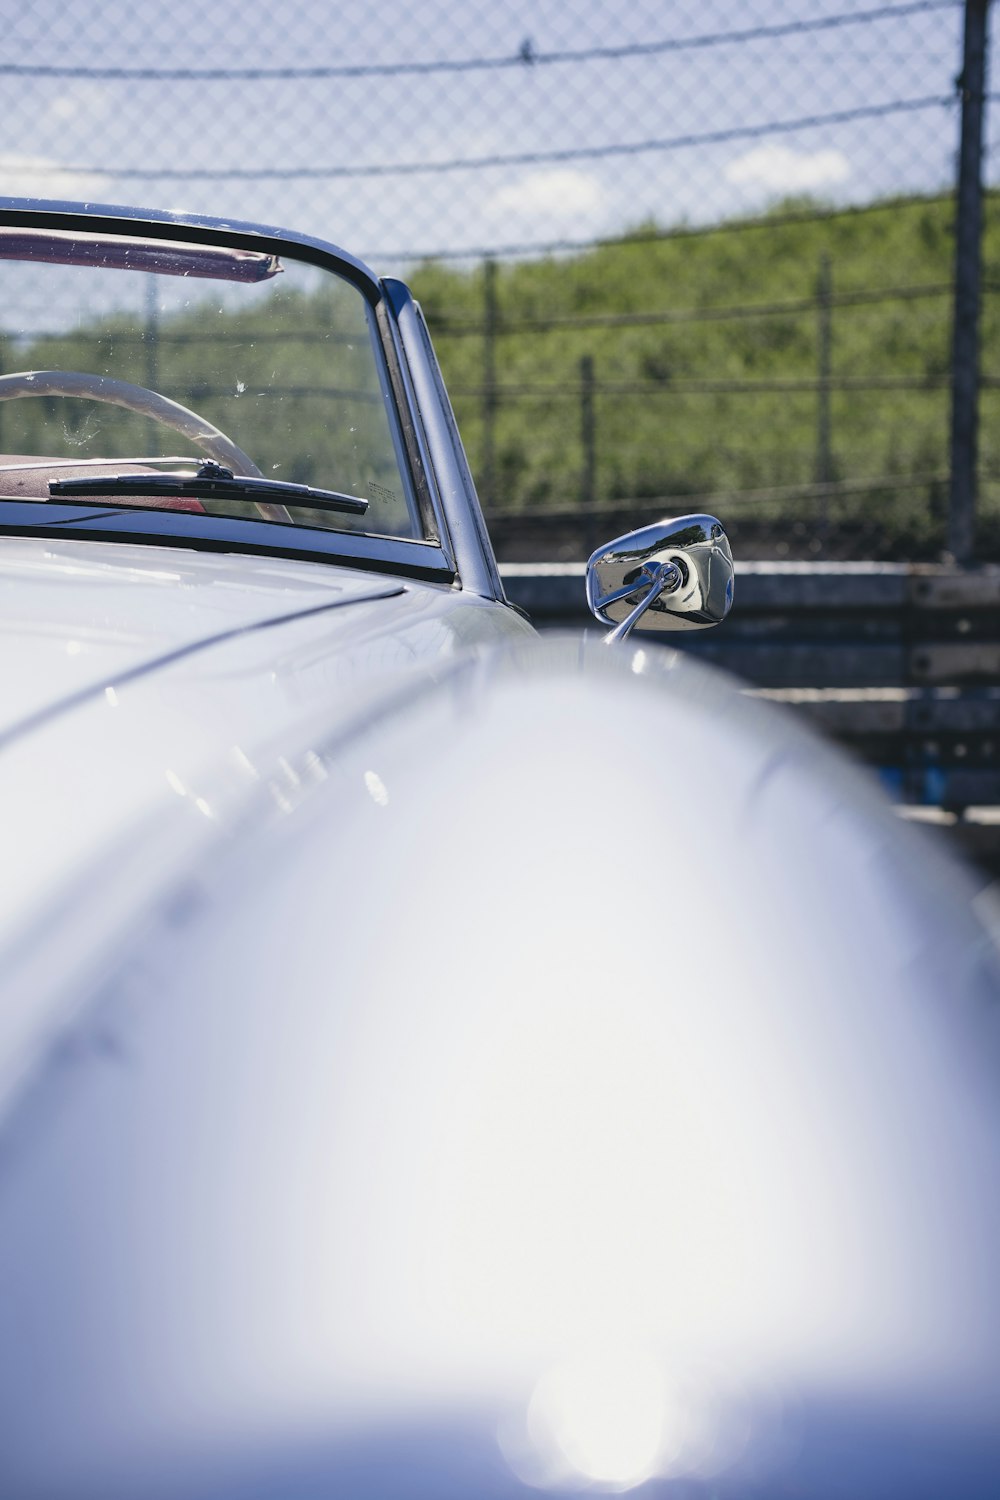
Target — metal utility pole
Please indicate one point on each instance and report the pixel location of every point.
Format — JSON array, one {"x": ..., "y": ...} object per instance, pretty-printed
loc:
[
  {"x": 968, "y": 238},
  {"x": 151, "y": 345},
  {"x": 489, "y": 379},
  {"x": 588, "y": 475},
  {"x": 824, "y": 461}
]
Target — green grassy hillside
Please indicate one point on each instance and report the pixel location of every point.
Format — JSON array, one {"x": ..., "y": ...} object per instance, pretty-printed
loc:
[{"x": 691, "y": 421}]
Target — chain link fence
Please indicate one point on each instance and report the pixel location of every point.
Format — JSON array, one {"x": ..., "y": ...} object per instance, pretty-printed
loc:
[{"x": 673, "y": 257}]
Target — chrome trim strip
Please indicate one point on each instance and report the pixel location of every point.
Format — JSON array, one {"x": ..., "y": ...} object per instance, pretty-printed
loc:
[
  {"x": 458, "y": 447},
  {"x": 432, "y": 514},
  {"x": 473, "y": 554}
]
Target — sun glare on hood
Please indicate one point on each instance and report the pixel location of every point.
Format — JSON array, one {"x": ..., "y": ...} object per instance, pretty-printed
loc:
[{"x": 604, "y": 1417}]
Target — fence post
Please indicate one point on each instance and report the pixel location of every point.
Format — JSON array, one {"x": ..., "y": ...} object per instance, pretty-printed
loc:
[
  {"x": 489, "y": 378},
  {"x": 588, "y": 444},
  {"x": 824, "y": 464},
  {"x": 965, "y": 336},
  {"x": 151, "y": 348}
]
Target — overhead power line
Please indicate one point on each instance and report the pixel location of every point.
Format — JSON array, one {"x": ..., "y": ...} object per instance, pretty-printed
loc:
[
  {"x": 713, "y": 499},
  {"x": 250, "y": 338},
  {"x": 862, "y": 297},
  {"x": 513, "y": 159},
  {"x": 525, "y": 57},
  {"x": 793, "y": 386},
  {"x": 642, "y": 238}
]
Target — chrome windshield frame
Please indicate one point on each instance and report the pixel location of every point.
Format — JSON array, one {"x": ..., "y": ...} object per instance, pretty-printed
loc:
[
  {"x": 428, "y": 558},
  {"x": 467, "y": 537}
]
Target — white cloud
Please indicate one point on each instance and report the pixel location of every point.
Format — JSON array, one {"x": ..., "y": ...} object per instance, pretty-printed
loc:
[
  {"x": 782, "y": 170},
  {"x": 83, "y": 99},
  {"x": 41, "y": 177},
  {"x": 546, "y": 204}
]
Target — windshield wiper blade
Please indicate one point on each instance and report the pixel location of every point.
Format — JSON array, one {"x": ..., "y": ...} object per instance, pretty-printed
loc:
[{"x": 211, "y": 481}]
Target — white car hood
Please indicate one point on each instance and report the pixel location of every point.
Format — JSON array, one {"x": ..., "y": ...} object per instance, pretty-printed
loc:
[
  {"x": 144, "y": 694},
  {"x": 435, "y": 1051},
  {"x": 75, "y": 617}
]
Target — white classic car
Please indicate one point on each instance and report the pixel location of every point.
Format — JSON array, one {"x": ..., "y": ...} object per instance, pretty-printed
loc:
[{"x": 434, "y": 1060}]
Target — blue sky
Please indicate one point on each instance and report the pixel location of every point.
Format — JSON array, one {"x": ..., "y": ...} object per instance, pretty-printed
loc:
[{"x": 109, "y": 126}]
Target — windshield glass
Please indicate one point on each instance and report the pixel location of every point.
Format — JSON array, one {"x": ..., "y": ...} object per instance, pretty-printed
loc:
[{"x": 269, "y": 366}]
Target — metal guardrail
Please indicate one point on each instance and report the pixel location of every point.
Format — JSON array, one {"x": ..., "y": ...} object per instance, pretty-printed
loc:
[{"x": 899, "y": 662}]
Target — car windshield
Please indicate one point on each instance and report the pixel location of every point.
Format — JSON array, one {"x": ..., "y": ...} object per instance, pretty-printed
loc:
[{"x": 122, "y": 356}]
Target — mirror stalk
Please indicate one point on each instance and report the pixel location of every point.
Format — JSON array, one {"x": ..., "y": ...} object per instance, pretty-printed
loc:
[{"x": 663, "y": 579}]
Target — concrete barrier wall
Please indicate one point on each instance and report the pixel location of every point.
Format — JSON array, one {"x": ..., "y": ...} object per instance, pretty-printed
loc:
[{"x": 899, "y": 662}]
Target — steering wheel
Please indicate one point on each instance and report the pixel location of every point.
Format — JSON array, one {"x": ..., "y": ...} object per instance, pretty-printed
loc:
[{"x": 146, "y": 403}]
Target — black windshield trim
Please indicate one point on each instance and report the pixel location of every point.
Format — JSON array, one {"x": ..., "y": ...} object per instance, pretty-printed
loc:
[
  {"x": 373, "y": 554},
  {"x": 238, "y": 236}
]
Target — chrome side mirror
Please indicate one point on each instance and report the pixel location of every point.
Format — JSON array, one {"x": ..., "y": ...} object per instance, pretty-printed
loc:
[{"x": 674, "y": 575}]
